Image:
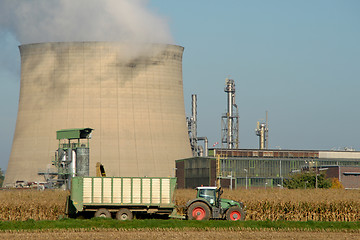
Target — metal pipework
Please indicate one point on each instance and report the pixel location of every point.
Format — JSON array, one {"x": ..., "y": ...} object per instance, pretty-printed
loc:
[
  {"x": 192, "y": 126},
  {"x": 267, "y": 132},
  {"x": 205, "y": 145},
  {"x": 194, "y": 114},
  {"x": 262, "y": 131},
  {"x": 230, "y": 90},
  {"x": 192, "y": 130},
  {"x": 230, "y": 120},
  {"x": 73, "y": 162}
]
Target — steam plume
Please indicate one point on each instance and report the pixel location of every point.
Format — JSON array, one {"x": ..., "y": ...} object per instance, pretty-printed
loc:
[{"x": 33, "y": 21}]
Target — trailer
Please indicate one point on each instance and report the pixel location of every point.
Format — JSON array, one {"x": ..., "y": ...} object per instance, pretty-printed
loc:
[{"x": 121, "y": 197}]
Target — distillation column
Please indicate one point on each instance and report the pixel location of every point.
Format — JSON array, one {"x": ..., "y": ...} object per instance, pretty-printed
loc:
[
  {"x": 230, "y": 120},
  {"x": 192, "y": 130},
  {"x": 262, "y": 131}
]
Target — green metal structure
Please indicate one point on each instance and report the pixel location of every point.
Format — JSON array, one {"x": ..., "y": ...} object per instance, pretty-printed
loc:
[
  {"x": 73, "y": 134},
  {"x": 71, "y": 158}
]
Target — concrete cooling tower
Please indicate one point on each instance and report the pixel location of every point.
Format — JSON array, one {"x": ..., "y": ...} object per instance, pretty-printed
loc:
[{"x": 131, "y": 95}]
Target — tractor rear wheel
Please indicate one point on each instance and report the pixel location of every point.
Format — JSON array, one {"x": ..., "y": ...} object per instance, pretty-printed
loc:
[
  {"x": 102, "y": 212},
  {"x": 235, "y": 214},
  {"x": 124, "y": 214},
  {"x": 198, "y": 211}
]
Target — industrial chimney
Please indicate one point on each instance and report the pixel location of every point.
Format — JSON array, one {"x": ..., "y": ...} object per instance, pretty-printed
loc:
[{"x": 131, "y": 94}]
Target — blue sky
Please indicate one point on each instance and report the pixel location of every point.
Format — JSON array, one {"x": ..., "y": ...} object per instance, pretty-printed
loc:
[{"x": 299, "y": 60}]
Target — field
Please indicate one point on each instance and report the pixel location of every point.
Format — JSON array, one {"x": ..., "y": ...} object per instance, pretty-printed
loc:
[
  {"x": 270, "y": 204},
  {"x": 178, "y": 235},
  {"x": 281, "y": 209},
  {"x": 100, "y": 228}
]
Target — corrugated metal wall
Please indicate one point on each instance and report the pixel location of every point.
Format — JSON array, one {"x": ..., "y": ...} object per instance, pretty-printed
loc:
[{"x": 260, "y": 171}]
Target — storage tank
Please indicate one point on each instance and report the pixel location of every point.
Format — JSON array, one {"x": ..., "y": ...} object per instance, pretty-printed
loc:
[{"x": 132, "y": 95}]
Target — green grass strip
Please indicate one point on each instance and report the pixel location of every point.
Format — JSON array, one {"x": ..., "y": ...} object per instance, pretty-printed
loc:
[{"x": 175, "y": 224}]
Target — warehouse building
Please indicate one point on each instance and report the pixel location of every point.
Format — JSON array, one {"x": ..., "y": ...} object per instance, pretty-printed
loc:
[{"x": 265, "y": 168}]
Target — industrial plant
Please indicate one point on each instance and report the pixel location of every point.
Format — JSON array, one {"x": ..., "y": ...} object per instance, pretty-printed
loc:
[
  {"x": 232, "y": 167},
  {"x": 129, "y": 100}
]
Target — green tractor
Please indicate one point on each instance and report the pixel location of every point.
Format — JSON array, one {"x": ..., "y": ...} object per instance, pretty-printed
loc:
[{"x": 208, "y": 204}]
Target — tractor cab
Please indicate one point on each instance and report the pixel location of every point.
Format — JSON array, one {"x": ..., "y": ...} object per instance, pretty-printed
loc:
[{"x": 209, "y": 194}]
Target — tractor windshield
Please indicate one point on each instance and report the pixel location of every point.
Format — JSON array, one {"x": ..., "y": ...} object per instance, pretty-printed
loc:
[{"x": 208, "y": 194}]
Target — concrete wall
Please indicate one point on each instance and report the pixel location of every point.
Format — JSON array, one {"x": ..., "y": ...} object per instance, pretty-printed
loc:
[
  {"x": 339, "y": 155},
  {"x": 132, "y": 95},
  {"x": 350, "y": 177}
]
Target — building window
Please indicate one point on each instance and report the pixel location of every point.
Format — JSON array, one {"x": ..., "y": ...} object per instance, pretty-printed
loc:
[{"x": 252, "y": 163}]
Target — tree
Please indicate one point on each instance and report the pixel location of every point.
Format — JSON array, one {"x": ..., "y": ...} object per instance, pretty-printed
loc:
[
  {"x": 336, "y": 183},
  {"x": 2, "y": 176},
  {"x": 307, "y": 180}
]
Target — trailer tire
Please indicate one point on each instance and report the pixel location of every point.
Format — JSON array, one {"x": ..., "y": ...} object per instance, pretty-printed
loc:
[
  {"x": 235, "y": 214},
  {"x": 102, "y": 212},
  {"x": 124, "y": 214},
  {"x": 198, "y": 211}
]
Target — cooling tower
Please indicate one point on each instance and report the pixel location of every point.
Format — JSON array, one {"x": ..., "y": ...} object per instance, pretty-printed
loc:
[{"x": 132, "y": 95}]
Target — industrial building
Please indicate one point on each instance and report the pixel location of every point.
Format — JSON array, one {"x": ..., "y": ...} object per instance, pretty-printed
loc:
[
  {"x": 266, "y": 168},
  {"x": 232, "y": 167},
  {"x": 131, "y": 95}
]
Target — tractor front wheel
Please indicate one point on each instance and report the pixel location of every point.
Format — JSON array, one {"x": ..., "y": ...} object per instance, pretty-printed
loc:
[
  {"x": 235, "y": 214},
  {"x": 198, "y": 211}
]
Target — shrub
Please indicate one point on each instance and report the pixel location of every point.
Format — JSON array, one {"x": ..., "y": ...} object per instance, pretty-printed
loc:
[{"x": 307, "y": 180}]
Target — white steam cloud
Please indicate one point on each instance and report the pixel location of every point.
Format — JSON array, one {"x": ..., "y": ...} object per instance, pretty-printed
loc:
[{"x": 32, "y": 21}]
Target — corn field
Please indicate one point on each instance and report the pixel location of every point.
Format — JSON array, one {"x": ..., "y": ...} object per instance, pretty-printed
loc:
[
  {"x": 261, "y": 204},
  {"x": 291, "y": 204},
  {"x": 31, "y": 204}
]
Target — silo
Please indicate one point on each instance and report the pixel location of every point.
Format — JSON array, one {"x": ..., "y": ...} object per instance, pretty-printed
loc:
[{"x": 132, "y": 95}]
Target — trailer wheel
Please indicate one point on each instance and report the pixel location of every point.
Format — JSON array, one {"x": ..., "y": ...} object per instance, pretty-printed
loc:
[
  {"x": 235, "y": 214},
  {"x": 124, "y": 214},
  {"x": 102, "y": 212},
  {"x": 198, "y": 211}
]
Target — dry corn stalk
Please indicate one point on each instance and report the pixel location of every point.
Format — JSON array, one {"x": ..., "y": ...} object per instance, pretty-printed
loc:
[{"x": 261, "y": 204}]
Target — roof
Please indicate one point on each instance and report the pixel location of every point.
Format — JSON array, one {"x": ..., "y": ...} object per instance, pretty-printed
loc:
[
  {"x": 74, "y": 133},
  {"x": 280, "y": 153},
  {"x": 212, "y": 188}
]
